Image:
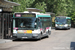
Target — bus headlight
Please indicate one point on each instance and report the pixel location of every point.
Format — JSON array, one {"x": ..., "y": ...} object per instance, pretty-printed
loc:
[
  {"x": 66, "y": 25},
  {"x": 14, "y": 31},
  {"x": 36, "y": 31},
  {"x": 56, "y": 25}
]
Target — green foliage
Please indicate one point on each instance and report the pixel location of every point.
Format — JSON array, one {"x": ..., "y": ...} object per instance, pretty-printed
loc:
[
  {"x": 24, "y": 4},
  {"x": 73, "y": 16},
  {"x": 41, "y": 6},
  {"x": 59, "y": 7}
]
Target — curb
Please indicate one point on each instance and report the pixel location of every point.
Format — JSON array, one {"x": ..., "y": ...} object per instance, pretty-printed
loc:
[{"x": 4, "y": 41}]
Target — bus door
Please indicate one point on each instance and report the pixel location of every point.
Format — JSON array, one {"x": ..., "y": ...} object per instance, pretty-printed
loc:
[
  {"x": 43, "y": 26},
  {"x": 42, "y": 29}
]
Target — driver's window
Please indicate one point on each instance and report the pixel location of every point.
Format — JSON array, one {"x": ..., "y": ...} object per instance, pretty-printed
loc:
[
  {"x": 39, "y": 23},
  {"x": 35, "y": 24}
]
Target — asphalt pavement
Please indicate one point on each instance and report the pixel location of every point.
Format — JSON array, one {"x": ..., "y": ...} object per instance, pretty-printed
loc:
[
  {"x": 5, "y": 40},
  {"x": 58, "y": 40}
]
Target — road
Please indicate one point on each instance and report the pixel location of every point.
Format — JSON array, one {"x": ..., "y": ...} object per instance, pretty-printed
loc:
[{"x": 58, "y": 40}]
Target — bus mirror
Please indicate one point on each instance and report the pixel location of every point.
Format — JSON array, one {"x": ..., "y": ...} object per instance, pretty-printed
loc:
[{"x": 35, "y": 23}]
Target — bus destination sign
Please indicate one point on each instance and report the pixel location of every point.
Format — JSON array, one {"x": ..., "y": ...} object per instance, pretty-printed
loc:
[{"x": 24, "y": 15}]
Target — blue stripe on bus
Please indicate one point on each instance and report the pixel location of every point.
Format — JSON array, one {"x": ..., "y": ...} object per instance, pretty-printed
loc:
[
  {"x": 13, "y": 15},
  {"x": 43, "y": 16},
  {"x": 68, "y": 18}
]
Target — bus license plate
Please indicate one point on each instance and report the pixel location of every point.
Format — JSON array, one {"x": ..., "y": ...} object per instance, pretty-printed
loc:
[
  {"x": 24, "y": 37},
  {"x": 61, "y": 25}
]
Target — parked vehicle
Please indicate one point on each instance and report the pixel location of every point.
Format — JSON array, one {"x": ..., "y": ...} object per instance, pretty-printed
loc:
[
  {"x": 62, "y": 22},
  {"x": 32, "y": 25}
]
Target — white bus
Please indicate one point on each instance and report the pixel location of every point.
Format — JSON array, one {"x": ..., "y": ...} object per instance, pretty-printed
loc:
[
  {"x": 32, "y": 25},
  {"x": 62, "y": 22}
]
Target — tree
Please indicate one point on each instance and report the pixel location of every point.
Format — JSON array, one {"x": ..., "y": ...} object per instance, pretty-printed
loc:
[
  {"x": 59, "y": 7},
  {"x": 24, "y": 4},
  {"x": 41, "y": 6}
]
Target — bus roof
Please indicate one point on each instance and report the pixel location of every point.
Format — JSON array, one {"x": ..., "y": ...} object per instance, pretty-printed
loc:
[
  {"x": 68, "y": 17},
  {"x": 38, "y": 14},
  {"x": 43, "y": 15},
  {"x": 65, "y": 17}
]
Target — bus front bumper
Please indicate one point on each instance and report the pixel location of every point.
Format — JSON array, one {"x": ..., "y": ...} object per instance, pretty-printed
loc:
[
  {"x": 62, "y": 27},
  {"x": 26, "y": 36}
]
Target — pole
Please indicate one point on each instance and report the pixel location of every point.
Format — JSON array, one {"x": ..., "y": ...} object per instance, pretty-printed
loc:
[{"x": 3, "y": 27}]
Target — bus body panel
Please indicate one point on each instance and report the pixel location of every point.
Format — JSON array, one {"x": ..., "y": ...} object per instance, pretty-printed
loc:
[{"x": 26, "y": 36}]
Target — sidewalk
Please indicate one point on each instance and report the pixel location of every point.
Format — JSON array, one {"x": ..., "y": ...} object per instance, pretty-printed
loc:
[{"x": 5, "y": 40}]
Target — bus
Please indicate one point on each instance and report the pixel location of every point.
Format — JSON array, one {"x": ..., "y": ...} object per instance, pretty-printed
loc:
[
  {"x": 62, "y": 22},
  {"x": 31, "y": 25}
]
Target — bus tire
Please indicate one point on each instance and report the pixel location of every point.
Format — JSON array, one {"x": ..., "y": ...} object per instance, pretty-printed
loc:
[
  {"x": 48, "y": 34},
  {"x": 40, "y": 36},
  {"x": 69, "y": 28},
  {"x": 55, "y": 28}
]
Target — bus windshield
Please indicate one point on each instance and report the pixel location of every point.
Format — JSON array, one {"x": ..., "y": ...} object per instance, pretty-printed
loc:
[
  {"x": 25, "y": 22},
  {"x": 61, "y": 20}
]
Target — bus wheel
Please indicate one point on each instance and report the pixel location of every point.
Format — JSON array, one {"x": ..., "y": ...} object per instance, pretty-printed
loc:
[
  {"x": 40, "y": 36},
  {"x": 55, "y": 28},
  {"x": 69, "y": 28},
  {"x": 48, "y": 34}
]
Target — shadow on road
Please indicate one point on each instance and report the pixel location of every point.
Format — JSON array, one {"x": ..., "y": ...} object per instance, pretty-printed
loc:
[
  {"x": 52, "y": 27},
  {"x": 62, "y": 29},
  {"x": 72, "y": 46},
  {"x": 21, "y": 40},
  {"x": 59, "y": 29}
]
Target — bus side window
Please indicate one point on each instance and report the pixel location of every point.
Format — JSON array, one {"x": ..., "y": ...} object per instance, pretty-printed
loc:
[
  {"x": 68, "y": 21},
  {"x": 40, "y": 24},
  {"x": 46, "y": 24},
  {"x": 35, "y": 24}
]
